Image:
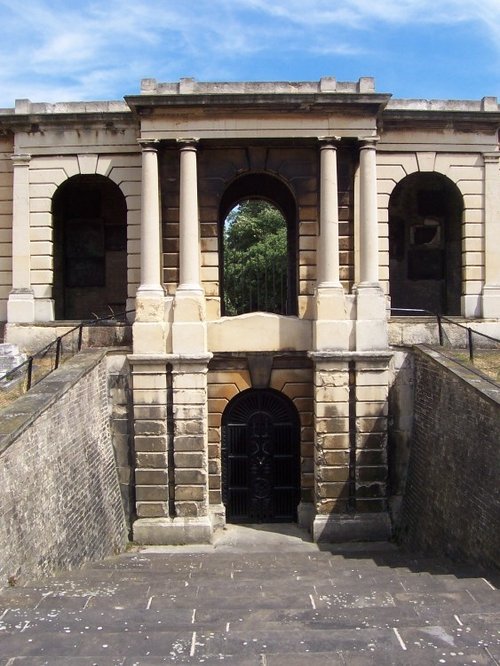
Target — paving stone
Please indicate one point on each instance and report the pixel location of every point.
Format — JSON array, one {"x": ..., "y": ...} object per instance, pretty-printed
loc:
[{"x": 356, "y": 607}]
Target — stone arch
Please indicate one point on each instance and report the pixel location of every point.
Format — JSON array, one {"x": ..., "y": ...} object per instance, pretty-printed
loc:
[
  {"x": 267, "y": 187},
  {"x": 425, "y": 236},
  {"x": 90, "y": 247},
  {"x": 261, "y": 457}
]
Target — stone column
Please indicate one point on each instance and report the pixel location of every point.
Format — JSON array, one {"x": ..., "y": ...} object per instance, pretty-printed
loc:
[
  {"x": 150, "y": 332},
  {"x": 331, "y": 330},
  {"x": 371, "y": 325},
  {"x": 21, "y": 303},
  {"x": 491, "y": 289},
  {"x": 368, "y": 213},
  {"x": 189, "y": 225},
  {"x": 189, "y": 333}
]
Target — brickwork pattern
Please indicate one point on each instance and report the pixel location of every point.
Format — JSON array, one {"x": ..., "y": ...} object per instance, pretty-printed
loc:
[
  {"x": 452, "y": 501},
  {"x": 60, "y": 503}
]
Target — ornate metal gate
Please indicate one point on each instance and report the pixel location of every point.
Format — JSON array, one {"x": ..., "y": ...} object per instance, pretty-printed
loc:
[{"x": 260, "y": 458}]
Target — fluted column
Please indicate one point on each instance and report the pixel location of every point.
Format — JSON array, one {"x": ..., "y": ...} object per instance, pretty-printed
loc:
[
  {"x": 189, "y": 227},
  {"x": 491, "y": 288},
  {"x": 328, "y": 249},
  {"x": 150, "y": 221},
  {"x": 368, "y": 212},
  {"x": 21, "y": 304}
]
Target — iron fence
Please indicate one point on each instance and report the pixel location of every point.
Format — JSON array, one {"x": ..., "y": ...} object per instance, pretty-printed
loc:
[
  {"x": 471, "y": 339},
  {"x": 39, "y": 365}
]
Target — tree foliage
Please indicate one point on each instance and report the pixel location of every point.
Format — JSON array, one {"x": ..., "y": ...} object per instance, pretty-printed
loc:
[{"x": 255, "y": 258}]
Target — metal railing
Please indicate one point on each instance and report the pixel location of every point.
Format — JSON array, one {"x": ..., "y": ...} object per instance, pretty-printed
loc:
[
  {"x": 39, "y": 365},
  {"x": 468, "y": 335}
]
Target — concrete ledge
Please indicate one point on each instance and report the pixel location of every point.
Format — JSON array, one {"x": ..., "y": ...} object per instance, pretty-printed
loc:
[
  {"x": 338, "y": 528},
  {"x": 172, "y": 531}
]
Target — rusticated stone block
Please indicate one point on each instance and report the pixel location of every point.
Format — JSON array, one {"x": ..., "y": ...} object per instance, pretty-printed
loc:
[
  {"x": 332, "y": 490},
  {"x": 154, "y": 460},
  {"x": 151, "y": 509},
  {"x": 151, "y": 444},
  {"x": 369, "y": 474},
  {"x": 332, "y": 474},
  {"x": 190, "y": 476},
  {"x": 189, "y": 443},
  {"x": 183, "y": 459},
  {"x": 371, "y": 458},
  {"x": 144, "y": 477},
  {"x": 190, "y": 493},
  {"x": 150, "y": 427},
  {"x": 151, "y": 493},
  {"x": 331, "y": 457}
]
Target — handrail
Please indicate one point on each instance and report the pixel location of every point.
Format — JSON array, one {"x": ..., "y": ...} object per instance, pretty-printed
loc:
[
  {"x": 442, "y": 318},
  {"x": 58, "y": 342}
]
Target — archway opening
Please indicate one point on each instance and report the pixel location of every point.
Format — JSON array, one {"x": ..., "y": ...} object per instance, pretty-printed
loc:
[
  {"x": 425, "y": 255},
  {"x": 90, "y": 248},
  {"x": 258, "y": 242},
  {"x": 260, "y": 458}
]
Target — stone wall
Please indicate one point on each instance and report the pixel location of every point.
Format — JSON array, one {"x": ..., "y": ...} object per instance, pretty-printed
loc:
[
  {"x": 60, "y": 504},
  {"x": 452, "y": 500}
]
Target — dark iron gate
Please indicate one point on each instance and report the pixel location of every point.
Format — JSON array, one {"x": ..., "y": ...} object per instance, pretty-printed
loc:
[{"x": 260, "y": 458}]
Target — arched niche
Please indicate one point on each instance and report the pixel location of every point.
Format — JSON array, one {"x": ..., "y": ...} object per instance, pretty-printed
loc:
[
  {"x": 425, "y": 237},
  {"x": 90, "y": 248}
]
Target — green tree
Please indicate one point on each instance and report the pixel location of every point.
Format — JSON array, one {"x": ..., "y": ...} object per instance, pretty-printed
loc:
[{"x": 255, "y": 258}]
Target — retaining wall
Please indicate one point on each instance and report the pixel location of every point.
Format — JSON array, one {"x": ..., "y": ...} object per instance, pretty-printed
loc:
[
  {"x": 60, "y": 501},
  {"x": 452, "y": 500}
]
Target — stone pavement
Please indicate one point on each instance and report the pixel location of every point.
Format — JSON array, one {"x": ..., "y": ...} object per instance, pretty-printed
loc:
[{"x": 261, "y": 596}]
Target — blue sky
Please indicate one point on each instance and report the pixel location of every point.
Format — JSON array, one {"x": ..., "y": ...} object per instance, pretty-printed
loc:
[{"x": 70, "y": 50}]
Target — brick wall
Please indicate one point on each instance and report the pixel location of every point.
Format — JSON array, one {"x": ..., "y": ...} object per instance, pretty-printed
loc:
[
  {"x": 452, "y": 501},
  {"x": 60, "y": 503}
]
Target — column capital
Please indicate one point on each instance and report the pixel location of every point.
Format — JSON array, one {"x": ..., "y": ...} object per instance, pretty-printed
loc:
[
  {"x": 328, "y": 142},
  {"x": 368, "y": 141},
  {"x": 149, "y": 144},
  {"x": 491, "y": 158},
  {"x": 20, "y": 159},
  {"x": 188, "y": 143}
]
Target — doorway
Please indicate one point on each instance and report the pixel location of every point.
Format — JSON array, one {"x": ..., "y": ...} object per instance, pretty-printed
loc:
[{"x": 260, "y": 458}]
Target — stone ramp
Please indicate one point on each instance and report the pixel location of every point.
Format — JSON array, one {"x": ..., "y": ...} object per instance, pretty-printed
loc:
[{"x": 259, "y": 597}]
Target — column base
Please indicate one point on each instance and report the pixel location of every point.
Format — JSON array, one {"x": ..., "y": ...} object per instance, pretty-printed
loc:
[
  {"x": 172, "y": 531},
  {"x": 339, "y": 528},
  {"x": 21, "y": 306}
]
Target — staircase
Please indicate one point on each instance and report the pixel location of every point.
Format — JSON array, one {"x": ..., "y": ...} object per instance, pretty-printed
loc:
[{"x": 262, "y": 600}]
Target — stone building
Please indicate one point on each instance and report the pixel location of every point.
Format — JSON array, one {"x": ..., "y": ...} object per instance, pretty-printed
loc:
[{"x": 263, "y": 416}]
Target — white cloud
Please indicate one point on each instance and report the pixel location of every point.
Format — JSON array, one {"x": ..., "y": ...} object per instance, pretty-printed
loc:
[{"x": 67, "y": 49}]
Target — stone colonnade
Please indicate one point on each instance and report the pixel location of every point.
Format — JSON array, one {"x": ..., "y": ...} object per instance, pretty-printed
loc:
[{"x": 170, "y": 360}]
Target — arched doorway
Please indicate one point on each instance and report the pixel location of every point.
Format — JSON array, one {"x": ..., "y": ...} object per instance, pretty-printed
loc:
[
  {"x": 260, "y": 458},
  {"x": 90, "y": 248},
  {"x": 276, "y": 202},
  {"x": 425, "y": 235}
]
